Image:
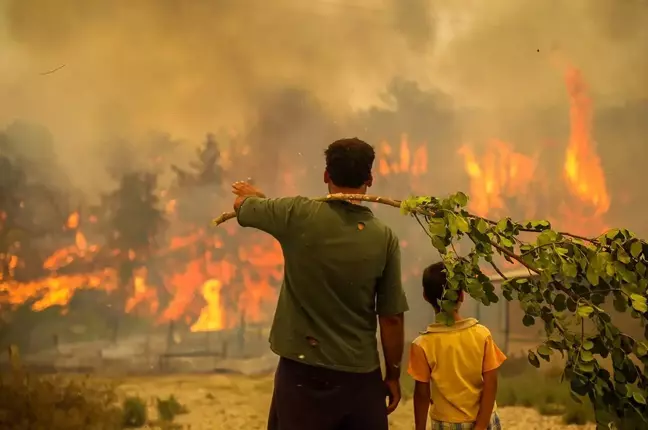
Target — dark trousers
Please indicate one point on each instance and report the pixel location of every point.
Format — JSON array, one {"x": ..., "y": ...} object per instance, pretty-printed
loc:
[{"x": 313, "y": 398}]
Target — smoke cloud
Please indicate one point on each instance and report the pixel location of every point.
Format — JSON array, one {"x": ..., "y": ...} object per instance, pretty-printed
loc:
[
  {"x": 95, "y": 72},
  {"x": 513, "y": 53}
]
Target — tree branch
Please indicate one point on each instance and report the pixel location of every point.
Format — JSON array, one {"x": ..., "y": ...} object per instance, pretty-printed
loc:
[{"x": 226, "y": 216}]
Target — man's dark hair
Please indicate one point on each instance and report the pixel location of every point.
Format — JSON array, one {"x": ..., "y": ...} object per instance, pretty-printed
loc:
[
  {"x": 434, "y": 284},
  {"x": 349, "y": 162}
]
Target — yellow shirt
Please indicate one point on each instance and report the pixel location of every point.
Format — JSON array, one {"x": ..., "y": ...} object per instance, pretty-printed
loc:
[{"x": 453, "y": 359}]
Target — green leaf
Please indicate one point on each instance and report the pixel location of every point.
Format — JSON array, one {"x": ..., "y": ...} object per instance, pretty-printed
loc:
[
  {"x": 463, "y": 225},
  {"x": 579, "y": 385},
  {"x": 533, "y": 359},
  {"x": 639, "y": 398},
  {"x": 620, "y": 302},
  {"x": 452, "y": 224},
  {"x": 640, "y": 268},
  {"x": 502, "y": 225},
  {"x": 482, "y": 226},
  {"x": 568, "y": 269},
  {"x": 641, "y": 349},
  {"x": 437, "y": 227},
  {"x": 438, "y": 243},
  {"x": 506, "y": 242},
  {"x": 592, "y": 276},
  {"x": 597, "y": 299},
  {"x": 623, "y": 256},
  {"x": 639, "y": 303},
  {"x": 560, "y": 302},
  {"x": 461, "y": 199},
  {"x": 545, "y": 238},
  {"x": 587, "y": 356},
  {"x": 562, "y": 251},
  {"x": 636, "y": 249},
  {"x": 585, "y": 311},
  {"x": 544, "y": 351},
  {"x": 450, "y": 295},
  {"x": 609, "y": 269},
  {"x": 407, "y": 206},
  {"x": 586, "y": 367},
  {"x": 528, "y": 320},
  {"x": 612, "y": 234}
]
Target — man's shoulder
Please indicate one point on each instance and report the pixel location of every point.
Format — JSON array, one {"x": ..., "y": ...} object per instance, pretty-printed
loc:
[{"x": 384, "y": 229}]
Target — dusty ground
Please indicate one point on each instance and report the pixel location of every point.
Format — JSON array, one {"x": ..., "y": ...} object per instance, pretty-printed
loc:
[{"x": 227, "y": 402}]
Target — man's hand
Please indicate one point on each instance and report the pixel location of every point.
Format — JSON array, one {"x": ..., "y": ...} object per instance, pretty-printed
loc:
[
  {"x": 245, "y": 189},
  {"x": 393, "y": 393}
]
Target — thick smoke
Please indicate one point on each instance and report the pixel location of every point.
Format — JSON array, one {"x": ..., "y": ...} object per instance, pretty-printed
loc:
[
  {"x": 187, "y": 67},
  {"x": 190, "y": 67},
  {"x": 512, "y": 53}
]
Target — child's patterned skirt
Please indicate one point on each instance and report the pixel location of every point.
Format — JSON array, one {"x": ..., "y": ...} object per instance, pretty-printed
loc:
[{"x": 494, "y": 424}]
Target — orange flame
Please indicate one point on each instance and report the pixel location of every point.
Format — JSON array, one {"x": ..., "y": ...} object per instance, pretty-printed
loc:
[
  {"x": 583, "y": 172},
  {"x": 503, "y": 175},
  {"x": 405, "y": 162}
]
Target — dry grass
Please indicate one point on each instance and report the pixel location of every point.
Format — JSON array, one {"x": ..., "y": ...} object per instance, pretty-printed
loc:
[{"x": 37, "y": 402}]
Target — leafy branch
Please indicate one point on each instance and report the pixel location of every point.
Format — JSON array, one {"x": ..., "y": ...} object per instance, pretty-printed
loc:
[{"x": 571, "y": 279}]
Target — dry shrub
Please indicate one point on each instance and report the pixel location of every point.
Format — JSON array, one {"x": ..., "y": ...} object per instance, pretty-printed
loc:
[
  {"x": 38, "y": 402},
  {"x": 135, "y": 412},
  {"x": 168, "y": 409}
]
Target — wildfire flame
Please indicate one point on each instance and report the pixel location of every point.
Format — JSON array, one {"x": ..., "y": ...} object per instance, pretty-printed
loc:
[
  {"x": 502, "y": 175},
  {"x": 215, "y": 279},
  {"x": 405, "y": 161},
  {"x": 583, "y": 172}
]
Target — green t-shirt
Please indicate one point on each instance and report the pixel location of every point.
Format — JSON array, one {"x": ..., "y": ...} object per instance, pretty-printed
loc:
[{"x": 342, "y": 269}]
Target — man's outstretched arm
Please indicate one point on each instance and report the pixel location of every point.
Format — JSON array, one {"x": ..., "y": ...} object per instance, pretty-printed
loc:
[
  {"x": 243, "y": 190},
  {"x": 253, "y": 209}
]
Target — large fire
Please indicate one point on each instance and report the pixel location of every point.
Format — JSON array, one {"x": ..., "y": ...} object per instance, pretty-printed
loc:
[
  {"x": 214, "y": 279},
  {"x": 505, "y": 182}
]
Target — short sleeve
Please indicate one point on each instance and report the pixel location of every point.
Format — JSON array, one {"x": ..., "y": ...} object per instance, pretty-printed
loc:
[
  {"x": 418, "y": 366},
  {"x": 273, "y": 216},
  {"x": 390, "y": 296},
  {"x": 493, "y": 356}
]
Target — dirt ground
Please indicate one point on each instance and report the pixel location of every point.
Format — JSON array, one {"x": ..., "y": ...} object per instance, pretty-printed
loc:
[{"x": 227, "y": 402}]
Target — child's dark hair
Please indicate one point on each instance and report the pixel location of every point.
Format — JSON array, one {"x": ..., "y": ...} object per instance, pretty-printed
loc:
[{"x": 434, "y": 284}]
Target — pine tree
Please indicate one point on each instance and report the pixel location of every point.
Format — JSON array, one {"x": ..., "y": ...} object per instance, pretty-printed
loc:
[{"x": 135, "y": 222}]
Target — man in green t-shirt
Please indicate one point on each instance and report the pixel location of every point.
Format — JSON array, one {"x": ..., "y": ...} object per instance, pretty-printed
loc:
[{"x": 342, "y": 278}]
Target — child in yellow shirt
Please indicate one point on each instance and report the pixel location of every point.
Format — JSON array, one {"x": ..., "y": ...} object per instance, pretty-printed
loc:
[{"x": 455, "y": 367}]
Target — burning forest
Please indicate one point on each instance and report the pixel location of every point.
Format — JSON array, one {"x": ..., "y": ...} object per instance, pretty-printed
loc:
[{"x": 147, "y": 252}]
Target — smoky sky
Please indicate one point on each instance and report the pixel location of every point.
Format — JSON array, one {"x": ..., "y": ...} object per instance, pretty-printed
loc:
[{"x": 122, "y": 67}]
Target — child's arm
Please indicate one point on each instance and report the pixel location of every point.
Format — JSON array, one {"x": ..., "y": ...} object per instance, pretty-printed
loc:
[
  {"x": 419, "y": 370},
  {"x": 421, "y": 404},
  {"x": 487, "y": 402},
  {"x": 493, "y": 359}
]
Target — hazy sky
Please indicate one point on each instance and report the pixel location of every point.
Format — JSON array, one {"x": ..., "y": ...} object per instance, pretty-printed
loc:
[{"x": 188, "y": 67}]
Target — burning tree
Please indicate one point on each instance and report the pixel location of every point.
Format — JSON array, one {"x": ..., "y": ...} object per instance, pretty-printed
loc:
[
  {"x": 203, "y": 183},
  {"x": 136, "y": 221}
]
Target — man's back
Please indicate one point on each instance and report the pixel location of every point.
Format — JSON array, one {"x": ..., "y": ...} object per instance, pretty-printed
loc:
[{"x": 342, "y": 267}]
